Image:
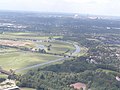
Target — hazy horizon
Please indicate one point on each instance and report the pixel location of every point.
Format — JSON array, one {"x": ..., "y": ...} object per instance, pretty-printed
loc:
[{"x": 92, "y": 7}]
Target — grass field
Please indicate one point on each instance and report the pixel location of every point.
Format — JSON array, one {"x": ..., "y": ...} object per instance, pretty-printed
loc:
[
  {"x": 3, "y": 76},
  {"x": 27, "y": 89},
  {"x": 13, "y": 55},
  {"x": 19, "y": 59},
  {"x": 59, "y": 47},
  {"x": 12, "y": 58},
  {"x": 22, "y": 35}
]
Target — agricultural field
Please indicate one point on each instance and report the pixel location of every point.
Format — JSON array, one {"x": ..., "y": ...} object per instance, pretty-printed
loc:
[{"x": 21, "y": 49}]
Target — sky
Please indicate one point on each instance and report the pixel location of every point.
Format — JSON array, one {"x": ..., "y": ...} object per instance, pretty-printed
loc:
[{"x": 95, "y": 7}]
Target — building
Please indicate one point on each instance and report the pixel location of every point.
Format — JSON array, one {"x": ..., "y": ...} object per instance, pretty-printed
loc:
[
  {"x": 117, "y": 78},
  {"x": 8, "y": 85},
  {"x": 79, "y": 86}
]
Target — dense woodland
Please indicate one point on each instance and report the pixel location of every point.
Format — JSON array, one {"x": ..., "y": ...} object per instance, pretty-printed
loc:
[{"x": 60, "y": 76}]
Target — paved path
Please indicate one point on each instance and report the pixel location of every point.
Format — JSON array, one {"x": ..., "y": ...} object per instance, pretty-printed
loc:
[
  {"x": 41, "y": 64},
  {"x": 77, "y": 49}
]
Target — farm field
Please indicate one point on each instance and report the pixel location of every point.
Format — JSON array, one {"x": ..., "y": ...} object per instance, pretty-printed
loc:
[{"x": 13, "y": 54}]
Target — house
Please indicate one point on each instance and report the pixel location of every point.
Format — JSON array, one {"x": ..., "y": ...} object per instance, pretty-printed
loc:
[
  {"x": 5, "y": 72},
  {"x": 8, "y": 85},
  {"x": 117, "y": 78},
  {"x": 79, "y": 86},
  {"x": 13, "y": 88}
]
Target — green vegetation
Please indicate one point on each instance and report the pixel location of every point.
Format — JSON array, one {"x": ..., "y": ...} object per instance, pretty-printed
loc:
[
  {"x": 52, "y": 37},
  {"x": 15, "y": 57},
  {"x": 3, "y": 76},
  {"x": 98, "y": 68},
  {"x": 27, "y": 89},
  {"x": 23, "y": 35},
  {"x": 20, "y": 59},
  {"x": 58, "y": 47},
  {"x": 60, "y": 76}
]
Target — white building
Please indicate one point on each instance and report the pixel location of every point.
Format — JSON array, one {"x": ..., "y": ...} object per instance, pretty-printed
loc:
[
  {"x": 8, "y": 85},
  {"x": 117, "y": 78}
]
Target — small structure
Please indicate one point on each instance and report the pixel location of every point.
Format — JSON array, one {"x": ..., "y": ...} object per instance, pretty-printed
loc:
[
  {"x": 117, "y": 78},
  {"x": 8, "y": 85},
  {"x": 9, "y": 73},
  {"x": 79, "y": 86}
]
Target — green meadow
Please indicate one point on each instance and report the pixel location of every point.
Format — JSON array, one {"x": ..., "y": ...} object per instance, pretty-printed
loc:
[
  {"x": 15, "y": 58},
  {"x": 20, "y": 59}
]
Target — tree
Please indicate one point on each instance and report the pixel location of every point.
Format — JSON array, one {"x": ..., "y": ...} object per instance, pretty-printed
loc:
[
  {"x": 41, "y": 51},
  {"x": 49, "y": 47}
]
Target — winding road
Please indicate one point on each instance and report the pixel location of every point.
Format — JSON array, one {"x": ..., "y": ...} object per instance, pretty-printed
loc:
[
  {"x": 77, "y": 50},
  {"x": 41, "y": 64}
]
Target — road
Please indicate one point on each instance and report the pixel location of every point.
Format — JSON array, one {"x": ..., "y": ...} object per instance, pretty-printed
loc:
[
  {"x": 77, "y": 49},
  {"x": 41, "y": 64},
  {"x": 49, "y": 62}
]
